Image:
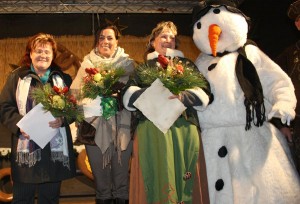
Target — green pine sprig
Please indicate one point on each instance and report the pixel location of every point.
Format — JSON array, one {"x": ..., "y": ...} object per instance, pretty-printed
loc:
[
  {"x": 61, "y": 104},
  {"x": 173, "y": 80},
  {"x": 104, "y": 87}
]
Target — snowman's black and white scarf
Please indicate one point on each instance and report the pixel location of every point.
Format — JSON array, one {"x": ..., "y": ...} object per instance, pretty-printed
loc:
[{"x": 252, "y": 88}]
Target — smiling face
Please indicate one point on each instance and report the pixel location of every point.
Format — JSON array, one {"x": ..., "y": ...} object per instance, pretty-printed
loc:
[
  {"x": 166, "y": 39},
  {"x": 107, "y": 43},
  {"x": 41, "y": 56}
]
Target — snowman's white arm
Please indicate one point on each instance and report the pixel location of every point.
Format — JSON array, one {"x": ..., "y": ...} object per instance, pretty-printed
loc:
[
  {"x": 278, "y": 89},
  {"x": 203, "y": 97}
]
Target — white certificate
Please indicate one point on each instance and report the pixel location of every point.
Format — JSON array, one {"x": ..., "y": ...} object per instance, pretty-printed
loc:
[
  {"x": 36, "y": 124},
  {"x": 155, "y": 104}
]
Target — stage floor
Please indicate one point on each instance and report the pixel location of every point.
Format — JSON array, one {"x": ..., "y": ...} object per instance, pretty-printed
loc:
[{"x": 78, "y": 190}]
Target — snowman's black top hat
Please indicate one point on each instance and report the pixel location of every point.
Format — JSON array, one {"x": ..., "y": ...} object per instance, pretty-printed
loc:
[{"x": 204, "y": 6}]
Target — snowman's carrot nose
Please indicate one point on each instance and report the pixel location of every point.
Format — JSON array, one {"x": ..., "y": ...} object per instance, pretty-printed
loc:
[{"x": 214, "y": 32}]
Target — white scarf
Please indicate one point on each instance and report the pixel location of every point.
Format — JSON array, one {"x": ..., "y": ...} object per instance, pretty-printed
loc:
[
  {"x": 119, "y": 59},
  {"x": 169, "y": 53},
  {"x": 59, "y": 150}
]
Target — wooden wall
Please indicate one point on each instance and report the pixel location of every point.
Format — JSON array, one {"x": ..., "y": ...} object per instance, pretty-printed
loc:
[{"x": 12, "y": 50}]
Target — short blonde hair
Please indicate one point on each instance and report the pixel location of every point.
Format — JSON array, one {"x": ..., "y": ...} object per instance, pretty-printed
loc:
[{"x": 160, "y": 27}]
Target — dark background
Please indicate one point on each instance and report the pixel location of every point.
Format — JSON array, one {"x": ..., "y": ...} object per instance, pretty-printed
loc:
[{"x": 271, "y": 29}]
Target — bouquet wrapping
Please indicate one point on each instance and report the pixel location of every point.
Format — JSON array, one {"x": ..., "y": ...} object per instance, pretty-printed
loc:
[
  {"x": 175, "y": 74},
  {"x": 59, "y": 101},
  {"x": 103, "y": 82}
]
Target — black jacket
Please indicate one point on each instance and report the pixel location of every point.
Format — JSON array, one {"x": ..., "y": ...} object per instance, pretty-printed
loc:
[{"x": 45, "y": 170}]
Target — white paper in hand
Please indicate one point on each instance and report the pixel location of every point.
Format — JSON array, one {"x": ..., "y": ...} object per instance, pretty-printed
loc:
[
  {"x": 92, "y": 107},
  {"x": 36, "y": 124},
  {"x": 155, "y": 104}
]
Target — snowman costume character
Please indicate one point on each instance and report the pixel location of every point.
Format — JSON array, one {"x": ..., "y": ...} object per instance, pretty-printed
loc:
[{"x": 247, "y": 158}]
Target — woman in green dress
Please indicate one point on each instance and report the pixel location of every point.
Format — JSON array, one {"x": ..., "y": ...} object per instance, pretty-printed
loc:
[{"x": 170, "y": 167}]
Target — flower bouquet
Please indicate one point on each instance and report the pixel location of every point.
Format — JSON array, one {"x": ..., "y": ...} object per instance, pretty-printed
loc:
[
  {"x": 175, "y": 74},
  {"x": 102, "y": 82},
  {"x": 58, "y": 101}
]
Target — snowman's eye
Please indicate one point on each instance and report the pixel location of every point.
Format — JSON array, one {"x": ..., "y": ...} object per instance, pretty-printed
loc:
[
  {"x": 198, "y": 25},
  {"x": 216, "y": 11}
]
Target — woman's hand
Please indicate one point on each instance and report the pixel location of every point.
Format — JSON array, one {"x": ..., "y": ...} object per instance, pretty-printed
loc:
[
  {"x": 179, "y": 97},
  {"x": 188, "y": 98},
  {"x": 56, "y": 123},
  {"x": 24, "y": 134},
  {"x": 286, "y": 131}
]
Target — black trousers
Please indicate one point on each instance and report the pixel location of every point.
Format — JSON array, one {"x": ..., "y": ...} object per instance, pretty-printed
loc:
[
  {"x": 47, "y": 193},
  {"x": 295, "y": 148}
]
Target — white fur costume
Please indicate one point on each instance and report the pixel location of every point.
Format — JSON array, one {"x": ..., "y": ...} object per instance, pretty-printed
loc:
[{"x": 251, "y": 166}]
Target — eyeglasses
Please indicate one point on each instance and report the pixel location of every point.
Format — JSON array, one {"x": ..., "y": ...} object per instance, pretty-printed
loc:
[{"x": 40, "y": 52}]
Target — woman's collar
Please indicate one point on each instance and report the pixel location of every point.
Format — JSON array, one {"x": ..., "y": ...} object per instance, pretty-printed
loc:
[{"x": 170, "y": 53}]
